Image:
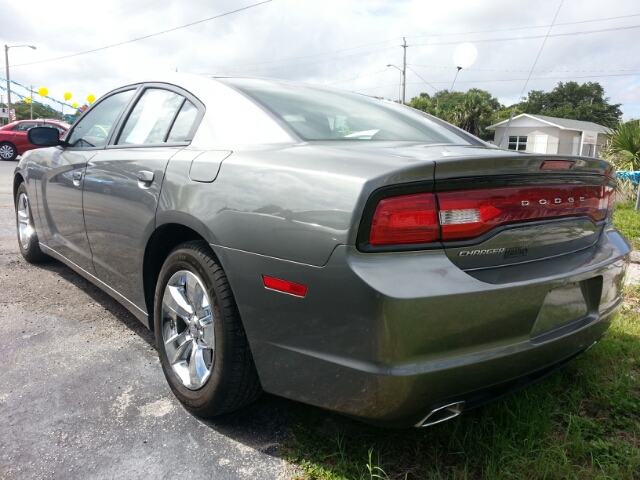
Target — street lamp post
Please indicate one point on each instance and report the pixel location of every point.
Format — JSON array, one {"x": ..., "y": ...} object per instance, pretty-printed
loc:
[
  {"x": 400, "y": 99},
  {"x": 6, "y": 61}
]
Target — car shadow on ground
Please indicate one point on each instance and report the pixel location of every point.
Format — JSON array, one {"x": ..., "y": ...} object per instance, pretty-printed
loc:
[{"x": 265, "y": 425}]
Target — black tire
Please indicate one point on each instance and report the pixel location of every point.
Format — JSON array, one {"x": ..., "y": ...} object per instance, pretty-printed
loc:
[
  {"x": 233, "y": 381},
  {"x": 8, "y": 151},
  {"x": 27, "y": 237}
]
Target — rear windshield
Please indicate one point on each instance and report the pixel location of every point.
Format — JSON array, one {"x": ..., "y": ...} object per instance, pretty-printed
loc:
[{"x": 324, "y": 114}]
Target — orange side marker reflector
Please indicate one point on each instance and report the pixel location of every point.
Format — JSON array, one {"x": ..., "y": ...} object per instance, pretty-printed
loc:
[{"x": 284, "y": 286}]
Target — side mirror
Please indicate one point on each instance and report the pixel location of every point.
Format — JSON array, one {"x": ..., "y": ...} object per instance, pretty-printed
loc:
[{"x": 43, "y": 136}]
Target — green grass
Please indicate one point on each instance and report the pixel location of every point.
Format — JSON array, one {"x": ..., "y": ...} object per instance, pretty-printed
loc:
[
  {"x": 583, "y": 422},
  {"x": 628, "y": 221}
]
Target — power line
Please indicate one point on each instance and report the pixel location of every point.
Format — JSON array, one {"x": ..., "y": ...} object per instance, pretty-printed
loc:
[
  {"x": 313, "y": 63},
  {"x": 334, "y": 51},
  {"x": 114, "y": 13},
  {"x": 512, "y": 80},
  {"x": 418, "y": 36},
  {"x": 304, "y": 56},
  {"x": 525, "y": 28},
  {"x": 355, "y": 78},
  {"x": 422, "y": 78},
  {"x": 146, "y": 36},
  {"x": 549, "y": 78},
  {"x": 586, "y": 32},
  {"x": 423, "y": 44},
  {"x": 524, "y": 71},
  {"x": 540, "y": 51},
  {"x": 530, "y": 73}
]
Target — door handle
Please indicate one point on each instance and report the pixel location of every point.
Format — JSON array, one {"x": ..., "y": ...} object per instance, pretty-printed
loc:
[
  {"x": 77, "y": 178},
  {"x": 145, "y": 177}
]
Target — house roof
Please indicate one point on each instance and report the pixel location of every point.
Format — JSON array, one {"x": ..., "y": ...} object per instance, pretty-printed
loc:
[{"x": 561, "y": 123}]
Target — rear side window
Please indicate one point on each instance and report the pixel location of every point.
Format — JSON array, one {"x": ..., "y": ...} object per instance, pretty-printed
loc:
[
  {"x": 23, "y": 127},
  {"x": 184, "y": 122},
  {"x": 151, "y": 118}
]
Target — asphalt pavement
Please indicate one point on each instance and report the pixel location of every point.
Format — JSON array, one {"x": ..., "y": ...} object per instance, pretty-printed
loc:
[{"x": 82, "y": 394}]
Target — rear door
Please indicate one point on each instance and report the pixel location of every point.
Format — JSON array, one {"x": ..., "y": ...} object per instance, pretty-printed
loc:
[
  {"x": 61, "y": 186},
  {"x": 122, "y": 184}
]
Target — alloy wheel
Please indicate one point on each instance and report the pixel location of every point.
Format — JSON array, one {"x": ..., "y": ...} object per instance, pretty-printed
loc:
[
  {"x": 25, "y": 228},
  {"x": 188, "y": 329}
]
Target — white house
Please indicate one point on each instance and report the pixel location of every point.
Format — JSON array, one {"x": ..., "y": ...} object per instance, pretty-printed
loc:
[{"x": 541, "y": 134}]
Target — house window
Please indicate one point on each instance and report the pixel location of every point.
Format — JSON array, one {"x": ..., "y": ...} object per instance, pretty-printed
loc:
[{"x": 518, "y": 143}]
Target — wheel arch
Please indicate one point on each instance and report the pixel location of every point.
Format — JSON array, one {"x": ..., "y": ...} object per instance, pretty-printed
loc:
[
  {"x": 172, "y": 229},
  {"x": 18, "y": 179}
]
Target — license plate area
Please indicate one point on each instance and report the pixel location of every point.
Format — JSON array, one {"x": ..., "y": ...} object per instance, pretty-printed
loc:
[{"x": 567, "y": 309}]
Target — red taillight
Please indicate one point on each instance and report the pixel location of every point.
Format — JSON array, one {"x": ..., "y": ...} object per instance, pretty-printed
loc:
[
  {"x": 284, "y": 286},
  {"x": 466, "y": 214},
  {"x": 556, "y": 165},
  {"x": 406, "y": 219},
  {"x": 502, "y": 206}
]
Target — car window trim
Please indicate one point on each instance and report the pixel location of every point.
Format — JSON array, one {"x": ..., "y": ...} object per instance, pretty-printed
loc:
[
  {"x": 116, "y": 123},
  {"x": 162, "y": 86},
  {"x": 173, "y": 120}
]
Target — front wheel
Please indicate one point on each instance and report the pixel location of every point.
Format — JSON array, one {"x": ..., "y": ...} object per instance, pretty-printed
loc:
[
  {"x": 27, "y": 237},
  {"x": 202, "y": 344}
]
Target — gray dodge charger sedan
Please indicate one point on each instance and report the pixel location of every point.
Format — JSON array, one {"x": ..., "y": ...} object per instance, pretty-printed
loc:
[{"x": 331, "y": 248}]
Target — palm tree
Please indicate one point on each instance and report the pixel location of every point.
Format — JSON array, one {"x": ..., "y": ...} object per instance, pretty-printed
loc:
[
  {"x": 623, "y": 148},
  {"x": 474, "y": 111}
]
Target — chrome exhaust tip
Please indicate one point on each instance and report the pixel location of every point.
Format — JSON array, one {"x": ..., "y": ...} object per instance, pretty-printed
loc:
[{"x": 442, "y": 414}]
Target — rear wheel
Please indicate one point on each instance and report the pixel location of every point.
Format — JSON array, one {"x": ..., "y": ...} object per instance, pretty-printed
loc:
[
  {"x": 8, "y": 151},
  {"x": 27, "y": 237},
  {"x": 202, "y": 344}
]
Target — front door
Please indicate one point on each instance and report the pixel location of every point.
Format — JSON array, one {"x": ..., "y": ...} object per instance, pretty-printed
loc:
[
  {"x": 61, "y": 188},
  {"x": 540, "y": 143},
  {"x": 63, "y": 219}
]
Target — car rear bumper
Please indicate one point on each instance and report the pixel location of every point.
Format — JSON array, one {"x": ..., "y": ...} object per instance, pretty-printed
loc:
[{"x": 389, "y": 337}]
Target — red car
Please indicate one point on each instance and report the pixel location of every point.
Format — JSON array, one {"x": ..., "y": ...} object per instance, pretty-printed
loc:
[{"x": 13, "y": 137}]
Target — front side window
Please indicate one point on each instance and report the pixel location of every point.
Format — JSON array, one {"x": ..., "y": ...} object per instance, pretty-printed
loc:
[
  {"x": 518, "y": 143},
  {"x": 151, "y": 118},
  {"x": 324, "y": 114},
  {"x": 94, "y": 128}
]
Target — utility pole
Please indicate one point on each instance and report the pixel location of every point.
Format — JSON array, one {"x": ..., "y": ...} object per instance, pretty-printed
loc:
[
  {"x": 31, "y": 102},
  {"x": 6, "y": 62},
  {"x": 404, "y": 70}
]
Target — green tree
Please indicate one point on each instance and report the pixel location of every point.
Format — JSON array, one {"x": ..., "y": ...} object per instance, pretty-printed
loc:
[
  {"x": 571, "y": 100},
  {"x": 472, "y": 110},
  {"x": 623, "y": 149},
  {"x": 504, "y": 114},
  {"x": 23, "y": 111}
]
